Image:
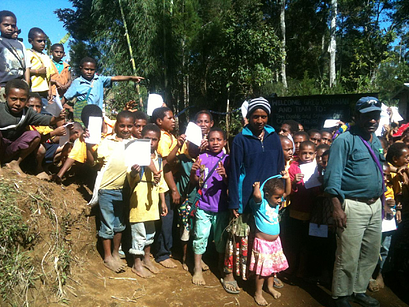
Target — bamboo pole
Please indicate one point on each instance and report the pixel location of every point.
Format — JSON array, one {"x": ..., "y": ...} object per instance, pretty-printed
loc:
[{"x": 128, "y": 40}]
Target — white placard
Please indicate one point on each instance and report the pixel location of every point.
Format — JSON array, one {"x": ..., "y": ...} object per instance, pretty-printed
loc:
[
  {"x": 194, "y": 134},
  {"x": 57, "y": 99},
  {"x": 54, "y": 109},
  {"x": 244, "y": 108},
  {"x": 94, "y": 129},
  {"x": 311, "y": 174},
  {"x": 154, "y": 101},
  {"x": 388, "y": 225},
  {"x": 138, "y": 152},
  {"x": 316, "y": 230},
  {"x": 330, "y": 123}
]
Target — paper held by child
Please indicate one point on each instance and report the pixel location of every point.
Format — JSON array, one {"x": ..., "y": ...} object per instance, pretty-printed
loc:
[
  {"x": 194, "y": 134},
  {"x": 65, "y": 138},
  {"x": 138, "y": 152},
  {"x": 94, "y": 128},
  {"x": 54, "y": 109},
  {"x": 154, "y": 101},
  {"x": 311, "y": 174},
  {"x": 388, "y": 225}
]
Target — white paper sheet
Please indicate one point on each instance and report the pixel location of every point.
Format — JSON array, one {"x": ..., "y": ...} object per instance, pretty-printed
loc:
[
  {"x": 194, "y": 134},
  {"x": 320, "y": 231},
  {"x": 388, "y": 225},
  {"x": 57, "y": 100},
  {"x": 330, "y": 123},
  {"x": 94, "y": 129},
  {"x": 154, "y": 101},
  {"x": 54, "y": 109},
  {"x": 138, "y": 152},
  {"x": 311, "y": 174},
  {"x": 244, "y": 108}
]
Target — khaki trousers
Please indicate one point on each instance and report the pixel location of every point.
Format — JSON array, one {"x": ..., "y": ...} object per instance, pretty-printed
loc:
[{"x": 358, "y": 247}]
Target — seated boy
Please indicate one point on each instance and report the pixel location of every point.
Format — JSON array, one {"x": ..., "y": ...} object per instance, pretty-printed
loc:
[
  {"x": 147, "y": 204},
  {"x": 16, "y": 143},
  {"x": 89, "y": 87}
]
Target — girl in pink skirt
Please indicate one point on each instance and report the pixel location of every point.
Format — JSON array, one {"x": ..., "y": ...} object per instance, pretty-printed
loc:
[{"x": 267, "y": 257}]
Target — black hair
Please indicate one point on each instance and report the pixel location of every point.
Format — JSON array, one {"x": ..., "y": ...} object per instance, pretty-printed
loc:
[
  {"x": 325, "y": 131},
  {"x": 284, "y": 138},
  {"x": 34, "y": 95},
  {"x": 217, "y": 129},
  {"x": 203, "y": 112},
  {"x": 90, "y": 110},
  {"x": 151, "y": 127},
  {"x": 34, "y": 31},
  {"x": 322, "y": 146},
  {"x": 88, "y": 59},
  {"x": 125, "y": 114},
  {"x": 57, "y": 45},
  {"x": 303, "y": 133},
  {"x": 325, "y": 153},
  {"x": 17, "y": 83},
  {"x": 307, "y": 143},
  {"x": 311, "y": 131},
  {"x": 7, "y": 14},
  {"x": 77, "y": 125},
  {"x": 140, "y": 115},
  {"x": 293, "y": 125},
  {"x": 395, "y": 151},
  {"x": 159, "y": 113},
  {"x": 273, "y": 185}
]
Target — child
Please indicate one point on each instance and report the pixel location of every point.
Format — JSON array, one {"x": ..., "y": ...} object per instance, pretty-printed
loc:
[
  {"x": 61, "y": 80},
  {"x": 321, "y": 149},
  {"x": 41, "y": 68},
  {"x": 146, "y": 204},
  {"x": 326, "y": 137},
  {"x": 89, "y": 87},
  {"x": 204, "y": 120},
  {"x": 15, "y": 142},
  {"x": 314, "y": 136},
  {"x": 287, "y": 146},
  {"x": 49, "y": 146},
  {"x": 299, "y": 137},
  {"x": 140, "y": 122},
  {"x": 168, "y": 147},
  {"x": 267, "y": 257},
  {"x": 111, "y": 154},
  {"x": 14, "y": 63},
  {"x": 209, "y": 174}
]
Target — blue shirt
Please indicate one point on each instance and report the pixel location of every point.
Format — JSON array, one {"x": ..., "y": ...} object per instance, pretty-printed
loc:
[
  {"x": 80, "y": 87},
  {"x": 351, "y": 171},
  {"x": 60, "y": 66},
  {"x": 266, "y": 217}
]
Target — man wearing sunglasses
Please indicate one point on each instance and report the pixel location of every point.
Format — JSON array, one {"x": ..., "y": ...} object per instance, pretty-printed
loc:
[{"x": 354, "y": 181}]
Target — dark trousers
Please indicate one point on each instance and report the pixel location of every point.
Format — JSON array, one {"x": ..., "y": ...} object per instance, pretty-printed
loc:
[{"x": 163, "y": 238}]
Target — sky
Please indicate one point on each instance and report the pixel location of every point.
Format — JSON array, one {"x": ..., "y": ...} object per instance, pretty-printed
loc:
[{"x": 39, "y": 13}]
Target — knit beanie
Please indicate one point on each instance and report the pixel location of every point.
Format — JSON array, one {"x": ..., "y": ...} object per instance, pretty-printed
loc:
[{"x": 258, "y": 103}]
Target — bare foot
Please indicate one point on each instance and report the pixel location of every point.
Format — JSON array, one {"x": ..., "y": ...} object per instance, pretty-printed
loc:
[
  {"x": 43, "y": 176},
  {"x": 373, "y": 285},
  {"x": 185, "y": 267},
  {"x": 13, "y": 165},
  {"x": 197, "y": 278},
  {"x": 150, "y": 265},
  {"x": 380, "y": 282},
  {"x": 205, "y": 267},
  {"x": 118, "y": 259},
  {"x": 113, "y": 265},
  {"x": 260, "y": 300},
  {"x": 141, "y": 272},
  {"x": 274, "y": 292},
  {"x": 168, "y": 263}
]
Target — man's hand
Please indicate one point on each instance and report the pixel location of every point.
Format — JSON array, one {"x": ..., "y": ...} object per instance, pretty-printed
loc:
[
  {"x": 137, "y": 78},
  {"x": 235, "y": 212},
  {"x": 176, "y": 197},
  {"x": 339, "y": 216}
]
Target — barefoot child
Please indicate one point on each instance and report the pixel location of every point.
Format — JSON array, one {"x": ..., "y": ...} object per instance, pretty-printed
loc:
[
  {"x": 111, "y": 154},
  {"x": 147, "y": 204},
  {"x": 267, "y": 257},
  {"x": 15, "y": 142},
  {"x": 209, "y": 173}
]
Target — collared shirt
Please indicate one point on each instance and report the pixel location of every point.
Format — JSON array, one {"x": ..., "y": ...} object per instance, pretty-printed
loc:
[
  {"x": 38, "y": 60},
  {"x": 13, "y": 60},
  {"x": 60, "y": 66},
  {"x": 80, "y": 87},
  {"x": 351, "y": 171}
]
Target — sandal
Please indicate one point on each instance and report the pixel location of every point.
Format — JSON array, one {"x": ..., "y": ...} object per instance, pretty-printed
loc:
[
  {"x": 278, "y": 283},
  {"x": 232, "y": 284}
]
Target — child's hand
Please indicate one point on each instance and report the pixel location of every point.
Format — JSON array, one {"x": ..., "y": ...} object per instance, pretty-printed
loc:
[
  {"x": 203, "y": 145},
  {"x": 68, "y": 107},
  {"x": 181, "y": 140},
  {"x": 41, "y": 71},
  {"x": 285, "y": 175},
  {"x": 135, "y": 169},
  {"x": 196, "y": 166},
  {"x": 137, "y": 78},
  {"x": 156, "y": 177},
  {"x": 59, "y": 131},
  {"x": 398, "y": 216},
  {"x": 62, "y": 115},
  {"x": 298, "y": 177},
  {"x": 164, "y": 209},
  {"x": 85, "y": 134},
  {"x": 175, "y": 197},
  {"x": 221, "y": 170},
  {"x": 256, "y": 192}
]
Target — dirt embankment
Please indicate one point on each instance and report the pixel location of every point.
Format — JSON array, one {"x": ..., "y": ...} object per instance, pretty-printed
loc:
[{"x": 55, "y": 260}]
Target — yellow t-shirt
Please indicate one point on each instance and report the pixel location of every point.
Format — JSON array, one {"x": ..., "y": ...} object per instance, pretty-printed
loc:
[
  {"x": 112, "y": 151},
  {"x": 78, "y": 151},
  {"x": 144, "y": 203},
  {"x": 43, "y": 130},
  {"x": 166, "y": 143},
  {"x": 37, "y": 61}
]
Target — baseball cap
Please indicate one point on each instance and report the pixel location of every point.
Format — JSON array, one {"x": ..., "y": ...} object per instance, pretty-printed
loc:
[{"x": 368, "y": 104}]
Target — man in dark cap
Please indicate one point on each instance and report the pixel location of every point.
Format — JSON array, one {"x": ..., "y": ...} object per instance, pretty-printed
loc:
[{"x": 354, "y": 180}]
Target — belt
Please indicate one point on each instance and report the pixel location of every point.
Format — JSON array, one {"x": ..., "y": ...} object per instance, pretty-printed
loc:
[{"x": 368, "y": 201}]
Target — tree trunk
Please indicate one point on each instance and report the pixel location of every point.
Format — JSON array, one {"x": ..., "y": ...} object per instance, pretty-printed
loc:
[
  {"x": 332, "y": 48},
  {"x": 283, "y": 43}
]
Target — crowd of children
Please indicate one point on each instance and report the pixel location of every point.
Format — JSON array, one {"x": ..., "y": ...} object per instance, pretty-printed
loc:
[{"x": 238, "y": 200}]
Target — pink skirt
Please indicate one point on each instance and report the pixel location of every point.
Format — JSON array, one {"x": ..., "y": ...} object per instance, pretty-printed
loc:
[{"x": 267, "y": 257}]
